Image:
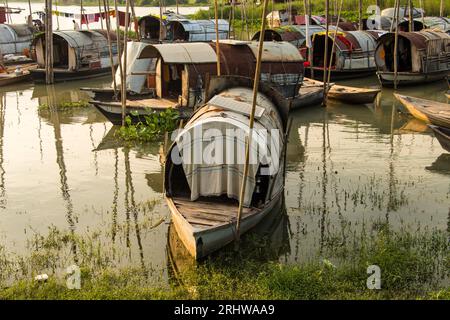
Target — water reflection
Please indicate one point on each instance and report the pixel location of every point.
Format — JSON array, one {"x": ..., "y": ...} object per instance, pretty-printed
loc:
[{"x": 441, "y": 164}]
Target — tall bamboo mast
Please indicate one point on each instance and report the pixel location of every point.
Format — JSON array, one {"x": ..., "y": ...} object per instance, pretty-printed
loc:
[
  {"x": 111, "y": 56},
  {"x": 216, "y": 14},
  {"x": 81, "y": 14},
  {"x": 119, "y": 51},
  {"x": 252, "y": 118},
  {"x": 360, "y": 13},
  {"x": 411, "y": 21},
  {"x": 396, "y": 44},
  {"x": 334, "y": 41},
  {"x": 325, "y": 58},
  {"x": 135, "y": 20},
  {"x": 100, "y": 11},
  {"x": 123, "y": 81},
  {"x": 161, "y": 25},
  {"x": 441, "y": 9},
  {"x": 48, "y": 43}
]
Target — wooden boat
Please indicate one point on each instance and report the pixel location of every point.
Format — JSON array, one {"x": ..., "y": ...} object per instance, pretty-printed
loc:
[
  {"x": 78, "y": 54},
  {"x": 442, "y": 135},
  {"x": 204, "y": 213},
  {"x": 437, "y": 113},
  {"x": 441, "y": 164},
  {"x": 448, "y": 94},
  {"x": 353, "y": 95},
  {"x": 421, "y": 60},
  {"x": 175, "y": 75},
  {"x": 310, "y": 94},
  {"x": 10, "y": 76}
]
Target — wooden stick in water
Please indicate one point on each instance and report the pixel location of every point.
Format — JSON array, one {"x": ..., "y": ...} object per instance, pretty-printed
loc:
[
  {"x": 108, "y": 36},
  {"x": 252, "y": 119},
  {"x": 325, "y": 58},
  {"x": 123, "y": 81}
]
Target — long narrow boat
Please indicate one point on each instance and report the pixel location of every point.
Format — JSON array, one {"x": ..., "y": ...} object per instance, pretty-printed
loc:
[
  {"x": 203, "y": 195},
  {"x": 353, "y": 95},
  {"x": 310, "y": 94},
  {"x": 11, "y": 77},
  {"x": 442, "y": 135},
  {"x": 437, "y": 113}
]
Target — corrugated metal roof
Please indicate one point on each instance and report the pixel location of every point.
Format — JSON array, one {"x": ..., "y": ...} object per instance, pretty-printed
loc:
[
  {"x": 277, "y": 52},
  {"x": 181, "y": 53},
  {"x": 79, "y": 38}
]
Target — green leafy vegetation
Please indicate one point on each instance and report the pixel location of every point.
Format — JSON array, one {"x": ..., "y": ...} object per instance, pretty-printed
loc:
[
  {"x": 65, "y": 106},
  {"x": 152, "y": 126}
]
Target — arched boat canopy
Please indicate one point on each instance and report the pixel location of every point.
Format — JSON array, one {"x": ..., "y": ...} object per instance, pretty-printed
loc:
[
  {"x": 180, "y": 53},
  {"x": 226, "y": 117},
  {"x": 416, "y": 51},
  {"x": 196, "y": 30},
  {"x": 75, "y": 49},
  {"x": 353, "y": 49},
  {"x": 149, "y": 26},
  {"x": 432, "y": 23},
  {"x": 15, "y": 38}
]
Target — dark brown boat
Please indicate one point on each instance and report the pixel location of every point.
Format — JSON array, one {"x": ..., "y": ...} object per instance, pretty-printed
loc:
[{"x": 442, "y": 135}]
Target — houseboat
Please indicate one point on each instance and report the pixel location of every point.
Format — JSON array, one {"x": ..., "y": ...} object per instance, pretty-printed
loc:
[
  {"x": 175, "y": 75},
  {"x": 196, "y": 30},
  {"x": 422, "y": 57},
  {"x": 353, "y": 54},
  {"x": 150, "y": 26},
  {"x": 203, "y": 197},
  {"x": 432, "y": 23},
  {"x": 77, "y": 54},
  {"x": 15, "y": 43}
]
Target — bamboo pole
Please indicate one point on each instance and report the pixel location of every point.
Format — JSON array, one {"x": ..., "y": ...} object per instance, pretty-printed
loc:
[
  {"x": 119, "y": 51},
  {"x": 57, "y": 16},
  {"x": 111, "y": 56},
  {"x": 135, "y": 20},
  {"x": 411, "y": 20},
  {"x": 48, "y": 43},
  {"x": 100, "y": 11},
  {"x": 325, "y": 58},
  {"x": 422, "y": 13},
  {"x": 178, "y": 12},
  {"x": 396, "y": 45},
  {"x": 441, "y": 9},
  {"x": 81, "y": 14},
  {"x": 360, "y": 10},
  {"x": 123, "y": 81},
  {"x": 216, "y": 14},
  {"x": 334, "y": 41},
  {"x": 252, "y": 119},
  {"x": 161, "y": 25}
]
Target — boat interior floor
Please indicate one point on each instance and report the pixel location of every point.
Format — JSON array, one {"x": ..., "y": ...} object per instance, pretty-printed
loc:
[{"x": 205, "y": 213}]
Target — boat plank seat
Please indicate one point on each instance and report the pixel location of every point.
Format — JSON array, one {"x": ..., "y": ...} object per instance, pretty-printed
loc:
[
  {"x": 204, "y": 214},
  {"x": 152, "y": 103}
]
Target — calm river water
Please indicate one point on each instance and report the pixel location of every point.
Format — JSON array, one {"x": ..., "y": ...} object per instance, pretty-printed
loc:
[{"x": 348, "y": 166}]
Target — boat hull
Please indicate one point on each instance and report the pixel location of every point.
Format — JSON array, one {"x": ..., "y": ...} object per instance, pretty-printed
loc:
[
  {"x": 6, "y": 81},
  {"x": 442, "y": 135},
  {"x": 409, "y": 79},
  {"x": 113, "y": 112},
  {"x": 38, "y": 75},
  {"x": 367, "y": 96},
  {"x": 202, "y": 243},
  {"x": 340, "y": 74}
]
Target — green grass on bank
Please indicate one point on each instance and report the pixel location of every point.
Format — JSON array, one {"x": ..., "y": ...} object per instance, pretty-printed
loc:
[{"x": 414, "y": 265}]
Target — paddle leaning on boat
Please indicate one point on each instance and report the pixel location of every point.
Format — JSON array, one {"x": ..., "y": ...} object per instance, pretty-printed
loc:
[{"x": 204, "y": 165}]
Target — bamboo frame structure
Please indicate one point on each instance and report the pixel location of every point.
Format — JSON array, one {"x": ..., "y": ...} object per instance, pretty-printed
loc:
[
  {"x": 123, "y": 80},
  {"x": 111, "y": 57},
  {"x": 325, "y": 58},
  {"x": 216, "y": 13},
  {"x": 49, "y": 77}
]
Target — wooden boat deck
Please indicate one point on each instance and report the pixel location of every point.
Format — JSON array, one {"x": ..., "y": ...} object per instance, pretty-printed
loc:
[
  {"x": 204, "y": 214},
  {"x": 153, "y": 103}
]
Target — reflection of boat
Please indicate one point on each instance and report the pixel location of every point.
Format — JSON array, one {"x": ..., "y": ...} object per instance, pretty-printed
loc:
[
  {"x": 442, "y": 135},
  {"x": 352, "y": 95},
  {"x": 413, "y": 125},
  {"x": 448, "y": 94},
  {"x": 203, "y": 197},
  {"x": 441, "y": 164},
  {"x": 437, "y": 113}
]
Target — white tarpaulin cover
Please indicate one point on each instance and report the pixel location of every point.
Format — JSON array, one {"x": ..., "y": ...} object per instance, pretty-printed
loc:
[
  {"x": 135, "y": 83},
  {"x": 220, "y": 169}
]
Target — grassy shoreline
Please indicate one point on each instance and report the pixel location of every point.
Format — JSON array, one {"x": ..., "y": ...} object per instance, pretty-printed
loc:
[{"x": 414, "y": 265}]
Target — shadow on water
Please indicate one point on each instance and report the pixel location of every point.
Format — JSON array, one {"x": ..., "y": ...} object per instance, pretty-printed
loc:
[{"x": 441, "y": 164}]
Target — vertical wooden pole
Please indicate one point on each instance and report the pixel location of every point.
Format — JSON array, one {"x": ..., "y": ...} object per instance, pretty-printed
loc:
[
  {"x": 360, "y": 12},
  {"x": 422, "y": 13},
  {"x": 119, "y": 51},
  {"x": 396, "y": 45},
  {"x": 252, "y": 119},
  {"x": 325, "y": 58},
  {"x": 441, "y": 10},
  {"x": 100, "y": 11},
  {"x": 411, "y": 20},
  {"x": 48, "y": 43},
  {"x": 334, "y": 42},
  {"x": 161, "y": 24},
  {"x": 111, "y": 56},
  {"x": 124, "y": 71},
  {"x": 216, "y": 14},
  {"x": 81, "y": 14},
  {"x": 178, "y": 12}
]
